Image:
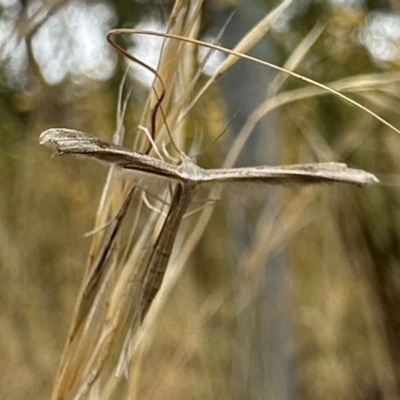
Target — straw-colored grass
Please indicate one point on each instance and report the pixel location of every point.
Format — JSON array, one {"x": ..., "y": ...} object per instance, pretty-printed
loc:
[{"x": 279, "y": 286}]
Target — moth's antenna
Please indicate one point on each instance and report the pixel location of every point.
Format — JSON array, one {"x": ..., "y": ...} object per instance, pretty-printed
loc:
[
  {"x": 182, "y": 154},
  {"x": 160, "y": 97},
  {"x": 149, "y": 68},
  {"x": 218, "y": 137}
]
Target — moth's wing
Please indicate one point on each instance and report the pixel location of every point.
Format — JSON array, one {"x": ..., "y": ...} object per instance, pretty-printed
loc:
[
  {"x": 300, "y": 173},
  {"x": 69, "y": 141}
]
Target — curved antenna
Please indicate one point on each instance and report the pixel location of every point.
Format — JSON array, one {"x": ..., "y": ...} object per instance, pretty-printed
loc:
[
  {"x": 261, "y": 62},
  {"x": 203, "y": 150},
  {"x": 160, "y": 97},
  {"x": 152, "y": 70}
]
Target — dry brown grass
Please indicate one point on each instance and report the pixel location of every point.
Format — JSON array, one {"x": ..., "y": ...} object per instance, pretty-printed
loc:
[{"x": 218, "y": 310}]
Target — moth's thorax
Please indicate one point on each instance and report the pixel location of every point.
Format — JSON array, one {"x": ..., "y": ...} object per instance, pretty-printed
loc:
[{"x": 189, "y": 170}]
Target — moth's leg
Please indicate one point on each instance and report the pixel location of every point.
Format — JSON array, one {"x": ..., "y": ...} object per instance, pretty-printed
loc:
[
  {"x": 153, "y": 145},
  {"x": 102, "y": 227},
  {"x": 167, "y": 155},
  {"x": 207, "y": 203},
  {"x": 146, "y": 201},
  {"x": 99, "y": 228},
  {"x": 151, "y": 207}
]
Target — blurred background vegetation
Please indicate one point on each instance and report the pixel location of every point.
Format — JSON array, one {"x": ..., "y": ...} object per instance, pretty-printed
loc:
[{"x": 315, "y": 272}]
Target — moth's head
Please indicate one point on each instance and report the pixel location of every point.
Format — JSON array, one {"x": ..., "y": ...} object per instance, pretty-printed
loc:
[{"x": 189, "y": 169}]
